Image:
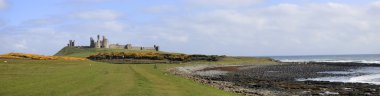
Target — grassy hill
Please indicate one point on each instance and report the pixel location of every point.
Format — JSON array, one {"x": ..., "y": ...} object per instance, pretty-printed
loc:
[{"x": 84, "y": 52}]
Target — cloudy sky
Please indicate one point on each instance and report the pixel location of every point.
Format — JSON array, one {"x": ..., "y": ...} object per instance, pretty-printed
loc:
[{"x": 229, "y": 27}]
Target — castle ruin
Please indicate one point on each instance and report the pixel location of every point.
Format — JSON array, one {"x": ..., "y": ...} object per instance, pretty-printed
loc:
[
  {"x": 71, "y": 43},
  {"x": 99, "y": 43},
  {"x": 103, "y": 43}
]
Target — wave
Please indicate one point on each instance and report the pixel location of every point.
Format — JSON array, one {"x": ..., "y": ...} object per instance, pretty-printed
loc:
[
  {"x": 335, "y": 61},
  {"x": 372, "y": 76}
]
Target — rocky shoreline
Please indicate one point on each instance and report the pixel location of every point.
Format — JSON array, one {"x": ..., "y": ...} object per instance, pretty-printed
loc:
[{"x": 278, "y": 80}]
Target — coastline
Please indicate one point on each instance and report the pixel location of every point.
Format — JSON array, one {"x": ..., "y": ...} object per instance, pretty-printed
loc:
[{"x": 278, "y": 79}]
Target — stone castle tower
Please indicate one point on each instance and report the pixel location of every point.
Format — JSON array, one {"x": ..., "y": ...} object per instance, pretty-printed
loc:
[
  {"x": 71, "y": 43},
  {"x": 104, "y": 42},
  {"x": 92, "y": 43},
  {"x": 99, "y": 43}
]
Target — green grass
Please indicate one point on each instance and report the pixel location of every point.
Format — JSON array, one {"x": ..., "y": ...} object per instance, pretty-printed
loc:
[
  {"x": 55, "y": 78},
  {"x": 78, "y": 78},
  {"x": 85, "y": 52}
]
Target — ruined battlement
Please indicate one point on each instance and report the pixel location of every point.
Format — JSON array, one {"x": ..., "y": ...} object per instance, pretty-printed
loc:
[{"x": 103, "y": 43}]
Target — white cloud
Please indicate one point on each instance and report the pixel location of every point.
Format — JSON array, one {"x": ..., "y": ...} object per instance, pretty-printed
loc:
[
  {"x": 21, "y": 45},
  {"x": 97, "y": 21},
  {"x": 100, "y": 27},
  {"x": 89, "y": 0},
  {"x": 38, "y": 40},
  {"x": 44, "y": 21},
  {"x": 114, "y": 26},
  {"x": 98, "y": 15},
  {"x": 3, "y": 4},
  {"x": 375, "y": 4},
  {"x": 174, "y": 38},
  {"x": 284, "y": 9},
  {"x": 160, "y": 9},
  {"x": 283, "y": 29},
  {"x": 80, "y": 2},
  {"x": 226, "y": 3},
  {"x": 48, "y": 35}
]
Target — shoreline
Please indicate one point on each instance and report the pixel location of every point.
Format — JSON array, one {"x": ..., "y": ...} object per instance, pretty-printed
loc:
[
  {"x": 192, "y": 72},
  {"x": 278, "y": 79}
]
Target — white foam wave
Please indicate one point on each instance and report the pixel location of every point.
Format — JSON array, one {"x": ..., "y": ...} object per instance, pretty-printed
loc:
[
  {"x": 337, "y": 72},
  {"x": 372, "y": 78},
  {"x": 372, "y": 75},
  {"x": 335, "y": 61}
]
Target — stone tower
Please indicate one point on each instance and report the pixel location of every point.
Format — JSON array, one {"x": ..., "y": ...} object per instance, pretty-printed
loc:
[
  {"x": 156, "y": 47},
  {"x": 92, "y": 43},
  {"x": 128, "y": 46},
  {"x": 98, "y": 42},
  {"x": 105, "y": 42},
  {"x": 71, "y": 43}
]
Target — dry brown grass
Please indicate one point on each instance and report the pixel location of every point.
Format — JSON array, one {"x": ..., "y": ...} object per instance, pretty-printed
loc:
[{"x": 36, "y": 57}]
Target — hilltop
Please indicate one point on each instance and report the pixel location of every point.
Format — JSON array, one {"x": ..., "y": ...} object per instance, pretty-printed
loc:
[
  {"x": 85, "y": 52},
  {"x": 126, "y": 56}
]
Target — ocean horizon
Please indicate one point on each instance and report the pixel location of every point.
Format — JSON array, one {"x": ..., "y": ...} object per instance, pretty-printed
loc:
[{"x": 354, "y": 58}]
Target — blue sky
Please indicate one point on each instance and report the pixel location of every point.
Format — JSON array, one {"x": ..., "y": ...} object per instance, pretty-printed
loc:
[{"x": 228, "y": 27}]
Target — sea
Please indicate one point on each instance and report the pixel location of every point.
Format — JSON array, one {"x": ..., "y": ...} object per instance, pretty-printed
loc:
[
  {"x": 362, "y": 75},
  {"x": 363, "y": 58}
]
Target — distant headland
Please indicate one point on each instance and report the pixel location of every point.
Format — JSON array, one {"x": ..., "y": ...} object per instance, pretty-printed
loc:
[{"x": 103, "y": 43}]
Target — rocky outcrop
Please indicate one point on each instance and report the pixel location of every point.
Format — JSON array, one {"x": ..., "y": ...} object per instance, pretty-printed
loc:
[
  {"x": 197, "y": 73},
  {"x": 278, "y": 80}
]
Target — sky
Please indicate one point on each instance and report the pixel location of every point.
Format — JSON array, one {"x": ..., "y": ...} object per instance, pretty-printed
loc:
[{"x": 220, "y": 27}]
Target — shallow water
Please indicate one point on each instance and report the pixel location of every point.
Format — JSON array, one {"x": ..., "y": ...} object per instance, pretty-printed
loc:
[{"x": 361, "y": 75}]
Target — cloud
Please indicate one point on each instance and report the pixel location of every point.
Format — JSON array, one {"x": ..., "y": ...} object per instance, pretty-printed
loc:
[
  {"x": 48, "y": 21},
  {"x": 282, "y": 29},
  {"x": 231, "y": 27},
  {"x": 48, "y": 35},
  {"x": 160, "y": 9},
  {"x": 174, "y": 38},
  {"x": 99, "y": 27},
  {"x": 38, "y": 40},
  {"x": 225, "y": 3},
  {"x": 80, "y": 2},
  {"x": 97, "y": 15},
  {"x": 20, "y": 45},
  {"x": 99, "y": 21},
  {"x": 3, "y": 4},
  {"x": 89, "y": 0}
]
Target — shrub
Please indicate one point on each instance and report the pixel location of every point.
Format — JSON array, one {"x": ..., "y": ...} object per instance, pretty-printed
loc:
[{"x": 154, "y": 56}]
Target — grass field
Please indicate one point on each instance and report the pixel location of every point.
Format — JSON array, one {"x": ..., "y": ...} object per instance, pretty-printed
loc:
[
  {"x": 77, "y": 78},
  {"x": 54, "y": 78}
]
